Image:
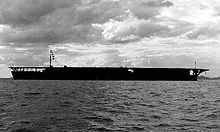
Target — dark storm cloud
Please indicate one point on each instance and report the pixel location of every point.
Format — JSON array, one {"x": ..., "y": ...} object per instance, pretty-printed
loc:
[
  {"x": 64, "y": 21},
  {"x": 98, "y": 12},
  {"x": 32, "y": 36},
  {"x": 33, "y": 21},
  {"x": 52, "y": 21},
  {"x": 25, "y": 12},
  {"x": 147, "y": 8}
]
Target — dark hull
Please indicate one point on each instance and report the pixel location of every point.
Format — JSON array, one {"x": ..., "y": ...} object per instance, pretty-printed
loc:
[{"x": 107, "y": 73}]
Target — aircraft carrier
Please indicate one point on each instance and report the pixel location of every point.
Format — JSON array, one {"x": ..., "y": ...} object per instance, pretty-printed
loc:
[{"x": 104, "y": 73}]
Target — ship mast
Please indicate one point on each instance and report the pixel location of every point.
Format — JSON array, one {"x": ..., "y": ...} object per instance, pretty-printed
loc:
[{"x": 51, "y": 57}]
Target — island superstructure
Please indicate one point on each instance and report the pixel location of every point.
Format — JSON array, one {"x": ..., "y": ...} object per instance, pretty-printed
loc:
[{"x": 104, "y": 73}]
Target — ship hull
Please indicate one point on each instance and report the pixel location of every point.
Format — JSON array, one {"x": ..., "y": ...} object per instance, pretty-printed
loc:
[{"x": 106, "y": 73}]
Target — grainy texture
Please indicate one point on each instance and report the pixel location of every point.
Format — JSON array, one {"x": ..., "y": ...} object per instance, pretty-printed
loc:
[{"x": 119, "y": 106}]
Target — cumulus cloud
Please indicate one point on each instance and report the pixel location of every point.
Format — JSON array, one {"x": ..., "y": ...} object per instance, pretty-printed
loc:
[
  {"x": 207, "y": 31},
  {"x": 55, "y": 21},
  {"x": 149, "y": 33},
  {"x": 130, "y": 29}
]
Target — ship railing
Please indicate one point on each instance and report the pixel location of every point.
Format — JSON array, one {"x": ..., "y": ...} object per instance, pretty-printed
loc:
[{"x": 27, "y": 69}]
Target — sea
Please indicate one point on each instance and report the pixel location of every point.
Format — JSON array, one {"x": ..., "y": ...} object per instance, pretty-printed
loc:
[{"x": 109, "y": 106}]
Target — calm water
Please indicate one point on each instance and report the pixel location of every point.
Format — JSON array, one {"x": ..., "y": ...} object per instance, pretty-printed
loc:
[{"x": 117, "y": 106}]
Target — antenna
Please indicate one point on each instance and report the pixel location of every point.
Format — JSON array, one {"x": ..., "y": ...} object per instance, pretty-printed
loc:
[
  {"x": 195, "y": 64},
  {"x": 126, "y": 62}
]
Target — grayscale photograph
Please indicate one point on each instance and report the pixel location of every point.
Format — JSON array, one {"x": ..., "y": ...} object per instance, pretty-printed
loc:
[{"x": 109, "y": 66}]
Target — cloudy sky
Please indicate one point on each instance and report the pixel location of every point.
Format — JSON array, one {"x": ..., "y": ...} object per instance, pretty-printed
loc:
[{"x": 149, "y": 33}]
